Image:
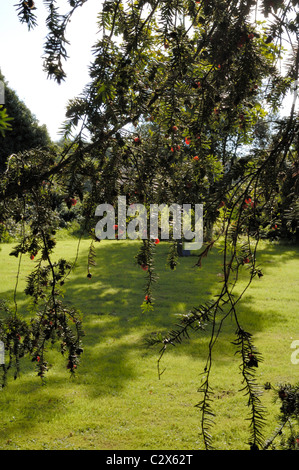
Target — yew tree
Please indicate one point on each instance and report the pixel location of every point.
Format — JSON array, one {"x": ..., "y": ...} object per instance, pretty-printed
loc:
[{"x": 178, "y": 108}]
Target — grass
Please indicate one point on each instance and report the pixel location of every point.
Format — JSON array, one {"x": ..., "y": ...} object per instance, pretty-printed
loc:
[{"x": 116, "y": 401}]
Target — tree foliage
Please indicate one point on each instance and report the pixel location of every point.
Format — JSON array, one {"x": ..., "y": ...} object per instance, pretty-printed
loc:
[
  {"x": 180, "y": 101},
  {"x": 24, "y": 130}
]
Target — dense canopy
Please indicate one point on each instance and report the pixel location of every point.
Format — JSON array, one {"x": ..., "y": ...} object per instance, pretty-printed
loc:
[{"x": 183, "y": 106}]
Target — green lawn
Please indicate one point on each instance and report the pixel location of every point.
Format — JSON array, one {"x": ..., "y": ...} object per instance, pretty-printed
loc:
[{"x": 116, "y": 401}]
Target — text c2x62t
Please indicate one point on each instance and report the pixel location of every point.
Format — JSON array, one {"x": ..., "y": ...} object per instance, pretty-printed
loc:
[{"x": 149, "y": 459}]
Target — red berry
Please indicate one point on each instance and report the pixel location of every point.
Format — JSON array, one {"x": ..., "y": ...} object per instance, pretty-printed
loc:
[
  {"x": 195, "y": 158},
  {"x": 29, "y": 4},
  {"x": 187, "y": 141},
  {"x": 32, "y": 257},
  {"x": 144, "y": 267}
]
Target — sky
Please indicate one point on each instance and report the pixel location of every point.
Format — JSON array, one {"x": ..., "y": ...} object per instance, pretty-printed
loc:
[{"x": 22, "y": 65}]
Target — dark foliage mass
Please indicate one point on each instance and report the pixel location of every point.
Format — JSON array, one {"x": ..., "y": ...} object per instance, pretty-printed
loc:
[{"x": 182, "y": 105}]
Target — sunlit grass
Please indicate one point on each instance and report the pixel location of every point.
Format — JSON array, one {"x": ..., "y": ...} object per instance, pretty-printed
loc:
[{"x": 117, "y": 401}]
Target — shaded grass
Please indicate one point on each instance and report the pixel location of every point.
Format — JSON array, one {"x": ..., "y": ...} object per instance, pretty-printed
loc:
[{"x": 116, "y": 400}]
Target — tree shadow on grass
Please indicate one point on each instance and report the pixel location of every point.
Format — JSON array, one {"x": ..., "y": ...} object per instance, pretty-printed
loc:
[
  {"x": 117, "y": 291},
  {"x": 115, "y": 325}
]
